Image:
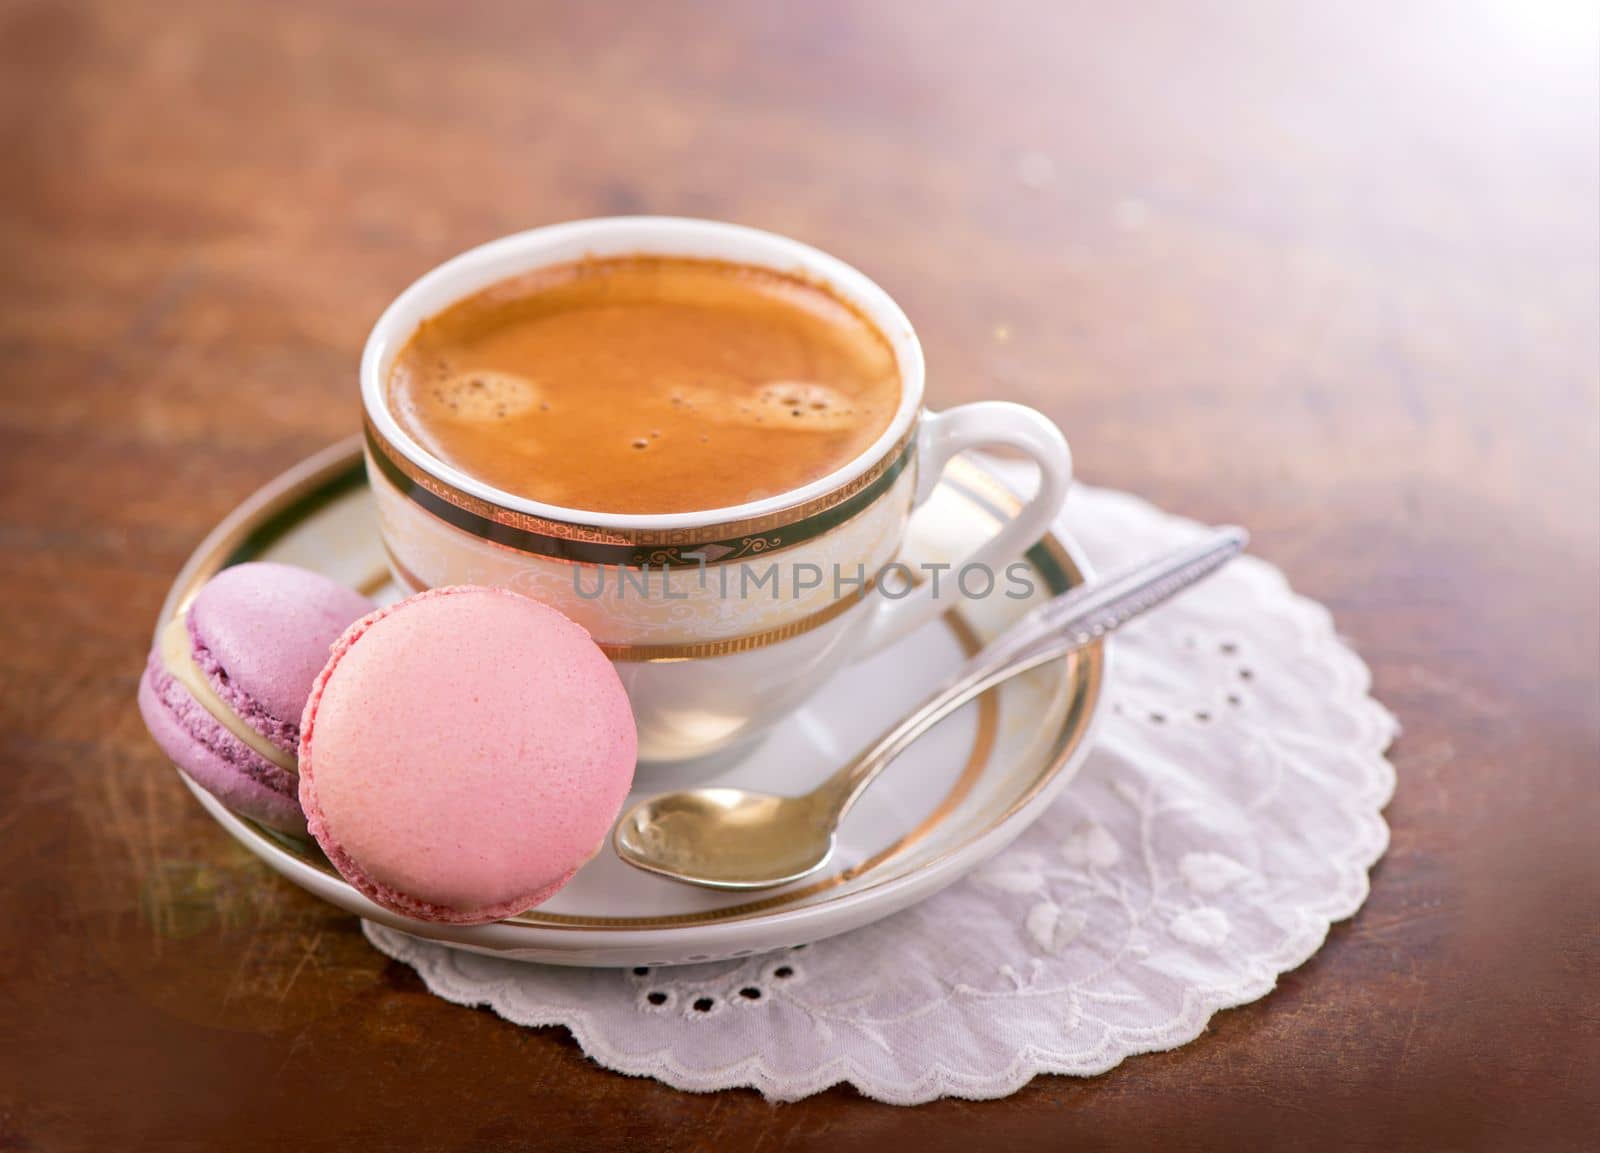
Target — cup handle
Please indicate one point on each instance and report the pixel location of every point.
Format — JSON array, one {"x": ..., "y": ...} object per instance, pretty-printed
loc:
[{"x": 941, "y": 436}]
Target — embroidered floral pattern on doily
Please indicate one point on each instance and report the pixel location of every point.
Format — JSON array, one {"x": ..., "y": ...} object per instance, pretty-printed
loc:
[{"x": 1226, "y": 817}]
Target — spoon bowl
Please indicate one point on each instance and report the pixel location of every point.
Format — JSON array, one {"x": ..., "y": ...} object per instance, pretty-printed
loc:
[{"x": 727, "y": 838}]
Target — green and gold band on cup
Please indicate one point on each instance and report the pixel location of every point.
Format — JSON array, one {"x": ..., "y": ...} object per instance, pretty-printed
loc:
[{"x": 638, "y": 548}]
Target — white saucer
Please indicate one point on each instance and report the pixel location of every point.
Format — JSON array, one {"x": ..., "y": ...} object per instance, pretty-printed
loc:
[{"x": 958, "y": 796}]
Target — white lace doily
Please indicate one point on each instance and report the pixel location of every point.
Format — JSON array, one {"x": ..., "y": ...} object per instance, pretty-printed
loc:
[{"x": 1227, "y": 816}]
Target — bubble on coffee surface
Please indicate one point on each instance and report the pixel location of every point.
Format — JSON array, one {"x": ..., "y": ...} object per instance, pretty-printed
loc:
[
  {"x": 802, "y": 406},
  {"x": 485, "y": 396},
  {"x": 778, "y": 405}
]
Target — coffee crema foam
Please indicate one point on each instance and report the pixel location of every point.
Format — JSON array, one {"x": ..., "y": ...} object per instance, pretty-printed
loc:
[{"x": 647, "y": 384}]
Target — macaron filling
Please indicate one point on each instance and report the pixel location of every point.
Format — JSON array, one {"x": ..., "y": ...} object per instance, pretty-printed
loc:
[
  {"x": 213, "y": 758},
  {"x": 176, "y": 653},
  {"x": 284, "y": 733}
]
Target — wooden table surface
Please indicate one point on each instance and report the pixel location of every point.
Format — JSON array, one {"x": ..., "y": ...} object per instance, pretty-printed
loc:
[{"x": 1328, "y": 270}]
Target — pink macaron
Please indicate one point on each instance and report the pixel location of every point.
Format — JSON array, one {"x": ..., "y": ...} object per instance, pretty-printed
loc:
[
  {"x": 226, "y": 682},
  {"x": 463, "y": 753}
]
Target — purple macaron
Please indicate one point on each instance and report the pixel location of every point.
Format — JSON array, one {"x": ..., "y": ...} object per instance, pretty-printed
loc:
[{"x": 225, "y": 685}]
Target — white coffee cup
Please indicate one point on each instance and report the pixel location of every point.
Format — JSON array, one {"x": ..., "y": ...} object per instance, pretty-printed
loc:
[{"x": 709, "y": 665}]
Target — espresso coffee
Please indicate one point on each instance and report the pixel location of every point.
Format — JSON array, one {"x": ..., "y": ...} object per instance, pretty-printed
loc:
[{"x": 647, "y": 384}]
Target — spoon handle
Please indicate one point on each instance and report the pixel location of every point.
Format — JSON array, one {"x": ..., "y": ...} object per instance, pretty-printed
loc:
[{"x": 1070, "y": 621}]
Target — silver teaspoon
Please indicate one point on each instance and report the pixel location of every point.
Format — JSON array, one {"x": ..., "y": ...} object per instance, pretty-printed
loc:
[{"x": 727, "y": 838}]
